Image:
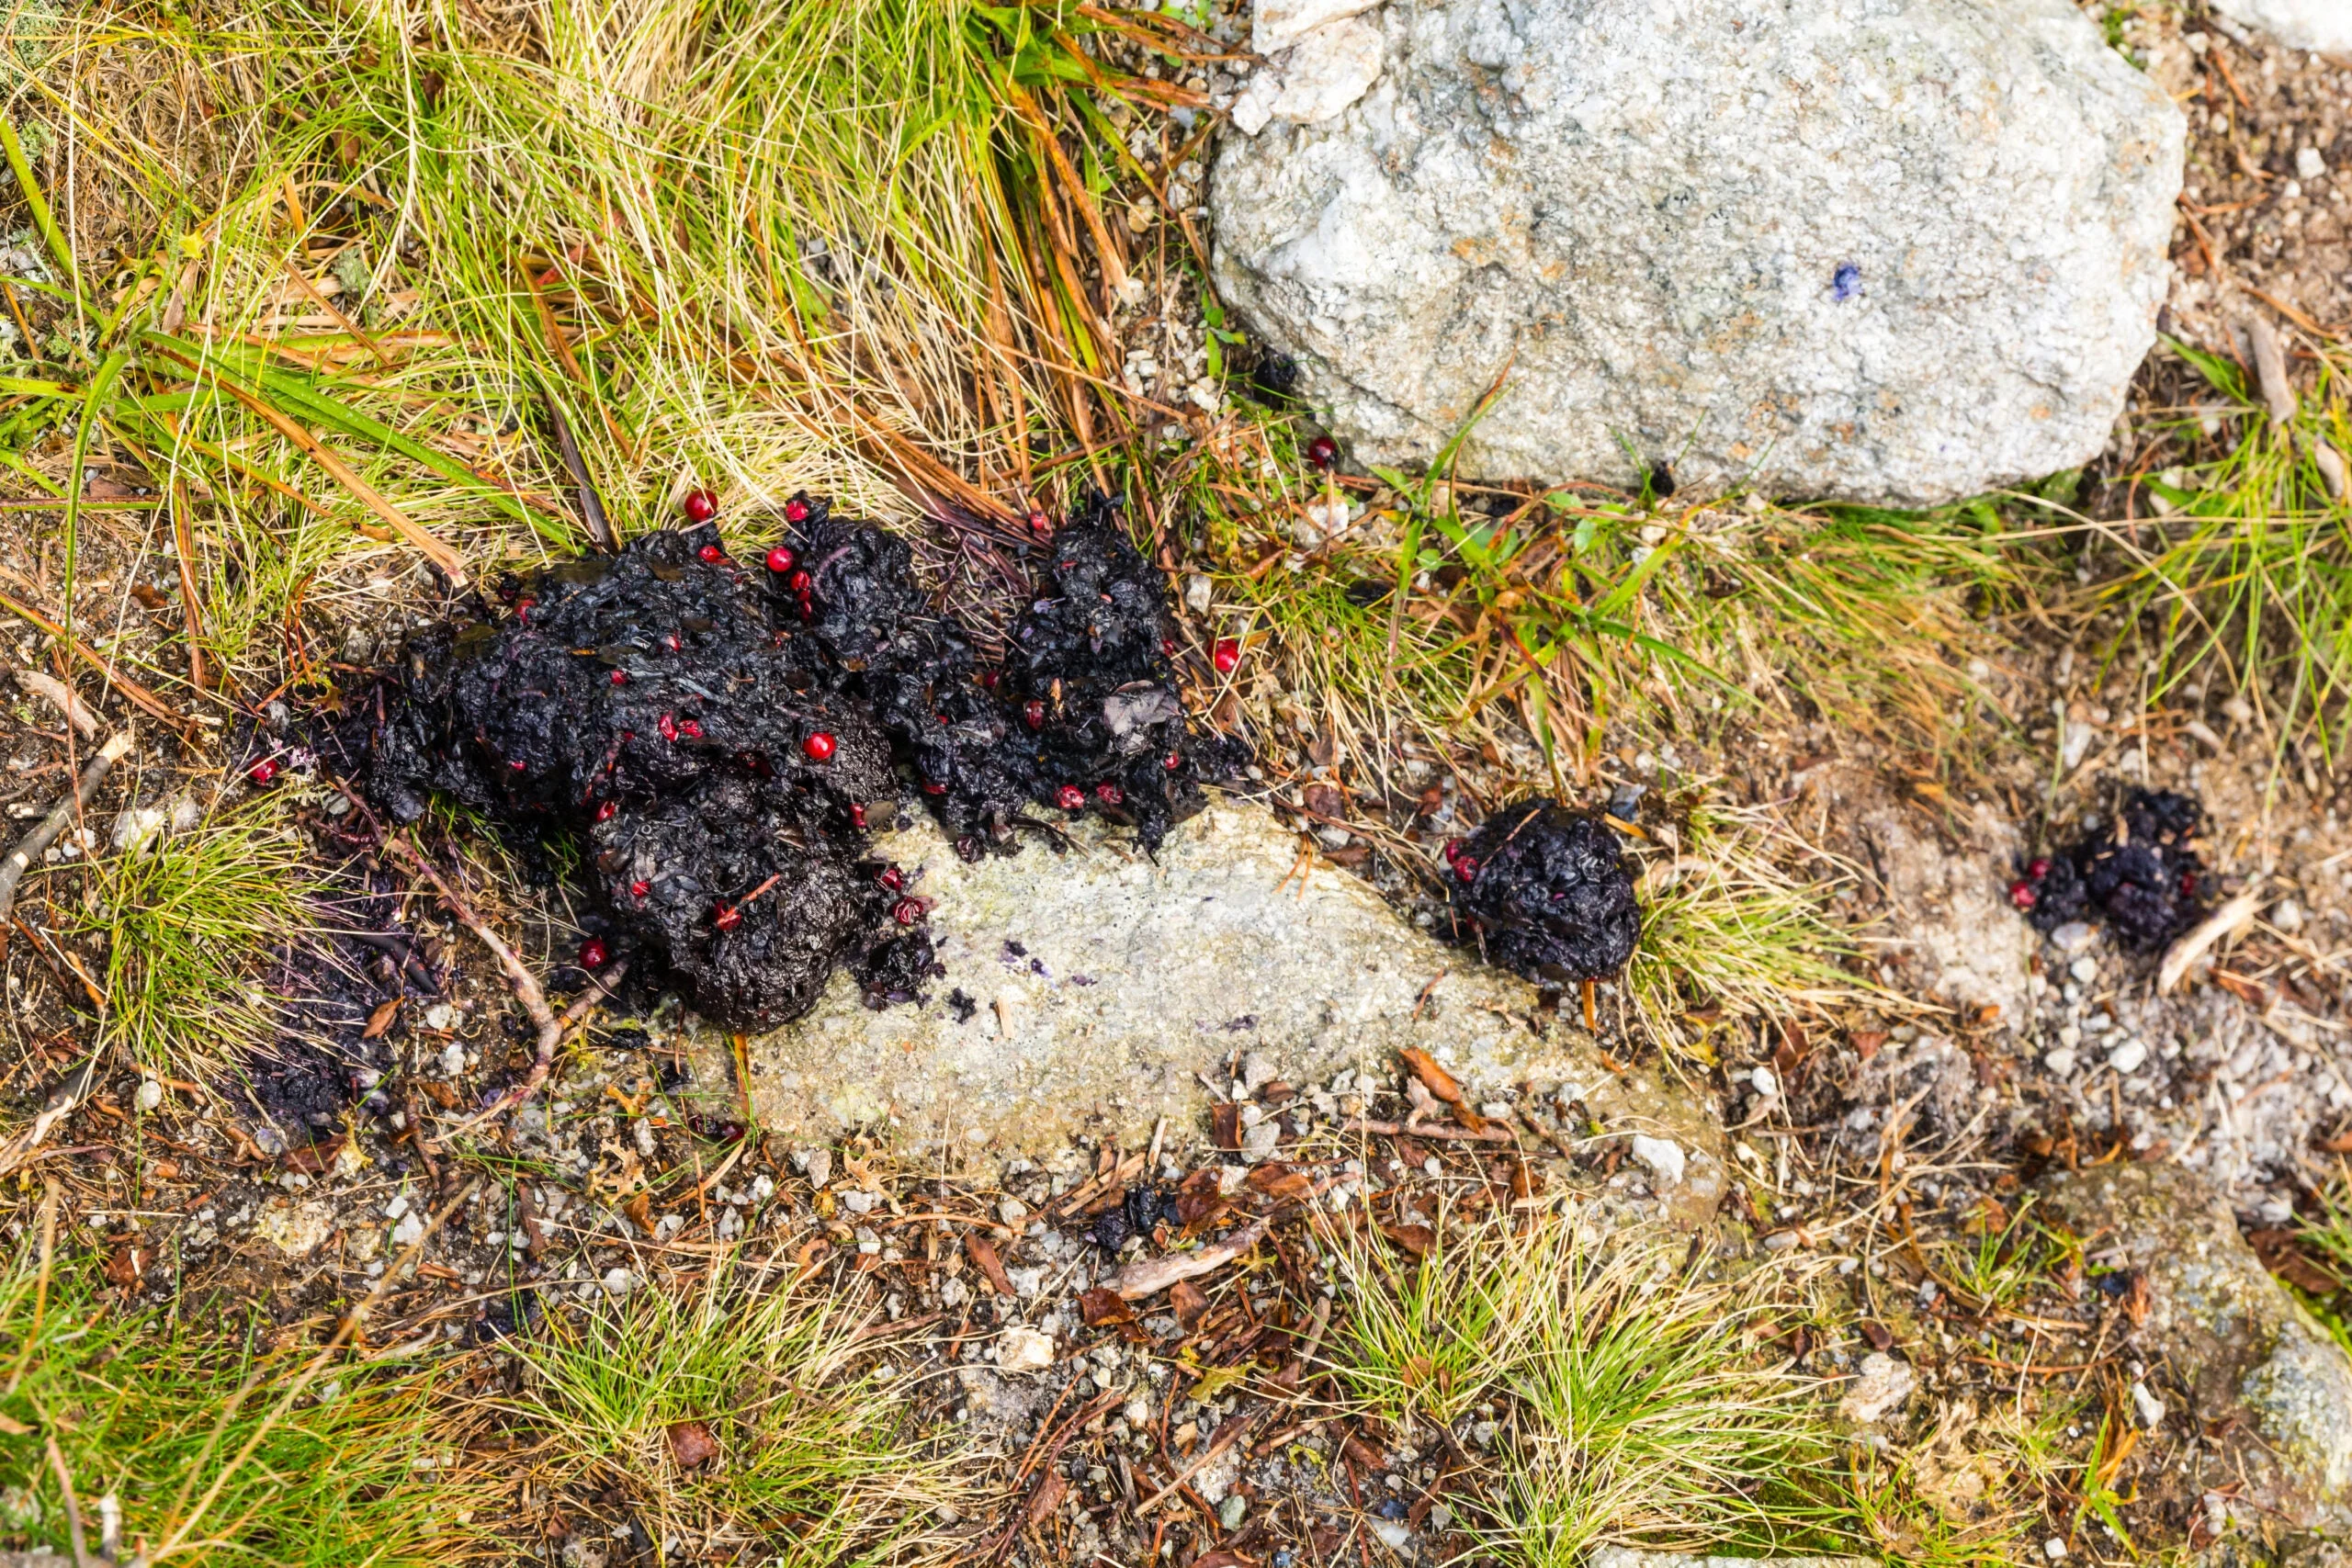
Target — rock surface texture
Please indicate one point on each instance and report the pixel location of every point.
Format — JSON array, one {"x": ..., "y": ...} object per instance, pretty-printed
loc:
[
  {"x": 1898, "y": 250},
  {"x": 2231, "y": 1337},
  {"x": 2323, "y": 26},
  {"x": 1099, "y": 988}
]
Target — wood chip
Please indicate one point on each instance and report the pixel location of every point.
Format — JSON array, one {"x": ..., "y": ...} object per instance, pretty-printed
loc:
[{"x": 1152, "y": 1275}]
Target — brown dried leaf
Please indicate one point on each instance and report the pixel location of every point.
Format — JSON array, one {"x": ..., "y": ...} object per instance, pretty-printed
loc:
[
  {"x": 312, "y": 1159},
  {"x": 1189, "y": 1302},
  {"x": 1099, "y": 1306},
  {"x": 381, "y": 1019},
  {"x": 1415, "y": 1239},
  {"x": 691, "y": 1444},
  {"x": 640, "y": 1210},
  {"x": 1283, "y": 1183},
  {"x": 1224, "y": 1125},
  {"x": 1440, "y": 1083},
  {"x": 1046, "y": 1499},
  {"x": 125, "y": 1264},
  {"x": 983, "y": 1256}
]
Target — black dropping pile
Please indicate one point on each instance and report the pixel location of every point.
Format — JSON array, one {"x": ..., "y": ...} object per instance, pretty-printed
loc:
[
  {"x": 1548, "y": 891},
  {"x": 1083, "y": 715},
  {"x": 720, "y": 735},
  {"x": 2140, "y": 876}
]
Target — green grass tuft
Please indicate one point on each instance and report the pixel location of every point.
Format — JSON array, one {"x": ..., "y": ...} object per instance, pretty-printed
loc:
[
  {"x": 150, "y": 1413},
  {"x": 820, "y": 1458},
  {"x": 188, "y": 923}
]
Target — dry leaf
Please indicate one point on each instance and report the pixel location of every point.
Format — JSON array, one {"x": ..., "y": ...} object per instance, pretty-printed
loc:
[
  {"x": 1099, "y": 1306},
  {"x": 983, "y": 1256},
  {"x": 1189, "y": 1302},
  {"x": 691, "y": 1444},
  {"x": 382, "y": 1020}
]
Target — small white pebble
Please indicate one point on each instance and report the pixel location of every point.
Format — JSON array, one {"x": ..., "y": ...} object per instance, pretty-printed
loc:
[{"x": 2054, "y": 1549}]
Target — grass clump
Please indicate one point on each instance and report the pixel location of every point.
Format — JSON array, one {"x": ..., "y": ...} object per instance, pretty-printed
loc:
[
  {"x": 1725, "y": 925},
  {"x": 148, "y": 1418},
  {"x": 189, "y": 922},
  {"x": 763, "y": 245},
  {"x": 736, "y": 1409},
  {"x": 1631, "y": 1409},
  {"x": 2247, "y": 566}
]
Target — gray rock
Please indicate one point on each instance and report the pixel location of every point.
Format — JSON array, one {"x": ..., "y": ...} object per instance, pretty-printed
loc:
[
  {"x": 1101, "y": 987},
  {"x": 1895, "y": 251},
  {"x": 2227, "y": 1330},
  {"x": 2322, "y": 26}
]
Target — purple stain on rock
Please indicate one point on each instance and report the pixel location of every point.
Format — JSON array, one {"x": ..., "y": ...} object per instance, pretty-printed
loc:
[{"x": 1846, "y": 282}]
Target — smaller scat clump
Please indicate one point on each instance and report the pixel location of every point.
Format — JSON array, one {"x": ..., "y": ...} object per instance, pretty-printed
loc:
[
  {"x": 2140, "y": 875},
  {"x": 1548, "y": 892},
  {"x": 719, "y": 737}
]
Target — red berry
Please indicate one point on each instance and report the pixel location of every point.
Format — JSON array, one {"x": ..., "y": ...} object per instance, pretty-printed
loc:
[
  {"x": 1465, "y": 867},
  {"x": 2189, "y": 884},
  {"x": 1167, "y": 647},
  {"x": 819, "y": 747},
  {"x": 795, "y": 510},
  {"x": 2037, "y": 869},
  {"x": 668, "y": 726},
  {"x": 1323, "y": 452},
  {"x": 1109, "y": 793},
  {"x": 1069, "y": 798},
  {"x": 726, "y": 917},
  {"x": 690, "y": 728},
  {"x": 2021, "y": 894},
  {"x": 1175, "y": 761},
  {"x": 261, "y": 773},
  {"x": 593, "y": 955},
  {"x": 1038, "y": 523},
  {"x": 700, "y": 506},
  {"x": 1453, "y": 850},
  {"x": 621, "y": 677},
  {"x": 523, "y": 609},
  {"x": 674, "y": 642},
  {"x": 712, "y": 554},
  {"x": 607, "y": 809},
  {"x": 640, "y": 888},
  {"x": 1227, "y": 657},
  {"x": 800, "y": 583},
  {"x": 892, "y": 878},
  {"x": 518, "y": 764},
  {"x": 907, "y": 911},
  {"x": 780, "y": 559},
  {"x": 856, "y": 814},
  {"x": 1033, "y": 713},
  {"x": 933, "y": 787}
]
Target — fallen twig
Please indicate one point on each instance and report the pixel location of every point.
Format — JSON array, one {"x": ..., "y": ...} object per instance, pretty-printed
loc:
[
  {"x": 59, "y": 693},
  {"x": 35, "y": 844},
  {"x": 2270, "y": 370},
  {"x": 1153, "y": 1275},
  {"x": 61, "y": 1101},
  {"x": 1227, "y": 1436},
  {"x": 525, "y": 986},
  {"x": 98, "y": 662},
  {"x": 1490, "y": 1134},
  {"x": 2232, "y": 917}
]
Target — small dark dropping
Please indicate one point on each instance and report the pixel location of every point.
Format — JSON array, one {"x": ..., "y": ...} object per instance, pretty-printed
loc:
[
  {"x": 1548, "y": 892},
  {"x": 2138, "y": 873}
]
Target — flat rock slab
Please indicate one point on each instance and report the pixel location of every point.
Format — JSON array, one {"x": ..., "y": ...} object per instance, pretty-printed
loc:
[
  {"x": 1899, "y": 252},
  {"x": 2229, "y": 1333},
  {"x": 1100, "y": 988}
]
